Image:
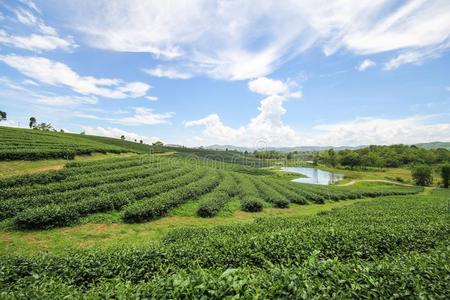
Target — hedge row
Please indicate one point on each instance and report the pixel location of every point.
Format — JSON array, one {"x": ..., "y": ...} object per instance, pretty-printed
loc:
[
  {"x": 270, "y": 195},
  {"x": 79, "y": 181},
  {"x": 11, "y": 207},
  {"x": 250, "y": 200},
  {"x": 213, "y": 202},
  {"x": 61, "y": 215},
  {"x": 157, "y": 207}
]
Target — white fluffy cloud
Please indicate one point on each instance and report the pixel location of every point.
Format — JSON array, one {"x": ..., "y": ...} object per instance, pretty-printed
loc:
[
  {"x": 117, "y": 133},
  {"x": 146, "y": 116},
  {"x": 265, "y": 129},
  {"x": 168, "y": 73},
  {"x": 366, "y": 64},
  {"x": 58, "y": 74},
  {"x": 244, "y": 40}
]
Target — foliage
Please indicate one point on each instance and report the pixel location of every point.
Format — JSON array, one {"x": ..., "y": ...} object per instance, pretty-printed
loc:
[
  {"x": 3, "y": 116},
  {"x": 445, "y": 174},
  {"x": 422, "y": 175},
  {"x": 385, "y": 156}
]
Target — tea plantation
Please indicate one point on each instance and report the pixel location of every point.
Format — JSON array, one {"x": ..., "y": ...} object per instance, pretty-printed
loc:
[
  {"x": 391, "y": 247},
  {"x": 387, "y": 241}
]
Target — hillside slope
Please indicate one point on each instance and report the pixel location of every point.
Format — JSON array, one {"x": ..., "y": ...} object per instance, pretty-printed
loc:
[{"x": 27, "y": 144}]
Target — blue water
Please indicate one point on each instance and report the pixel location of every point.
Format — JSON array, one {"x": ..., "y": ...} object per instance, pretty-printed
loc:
[{"x": 314, "y": 175}]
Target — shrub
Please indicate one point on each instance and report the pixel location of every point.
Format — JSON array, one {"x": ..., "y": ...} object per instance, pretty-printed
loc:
[{"x": 251, "y": 204}]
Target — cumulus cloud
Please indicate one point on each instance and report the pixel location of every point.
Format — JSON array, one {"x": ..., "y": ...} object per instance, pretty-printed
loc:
[
  {"x": 168, "y": 73},
  {"x": 366, "y": 64},
  {"x": 243, "y": 40},
  {"x": 146, "y": 116},
  {"x": 58, "y": 74},
  {"x": 267, "y": 128},
  {"x": 114, "y": 132}
]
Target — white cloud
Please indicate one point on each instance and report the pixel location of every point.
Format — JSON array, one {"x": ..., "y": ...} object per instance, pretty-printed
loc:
[
  {"x": 30, "y": 82},
  {"x": 265, "y": 129},
  {"x": 25, "y": 17},
  {"x": 31, "y": 5},
  {"x": 366, "y": 64},
  {"x": 168, "y": 73},
  {"x": 266, "y": 86},
  {"x": 58, "y": 74},
  {"x": 146, "y": 116},
  {"x": 40, "y": 36},
  {"x": 151, "y": 98},
  {"x": 65, "y": 101},
  {"x": 243, "y": 40},
  {"x": 36, "y": 42},
  {"x": 117, "y": 133},
  {"x": 366, "y": 131}
]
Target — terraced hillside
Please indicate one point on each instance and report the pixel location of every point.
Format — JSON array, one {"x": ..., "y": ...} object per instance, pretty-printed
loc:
[
  {"x": 147, "y": 187},
  {"x": 27, "y": 144}
]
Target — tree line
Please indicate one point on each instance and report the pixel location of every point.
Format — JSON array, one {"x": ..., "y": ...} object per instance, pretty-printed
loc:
[{"x": 384, "y": 157}]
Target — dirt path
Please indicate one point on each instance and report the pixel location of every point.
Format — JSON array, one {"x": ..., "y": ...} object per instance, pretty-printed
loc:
[{"x": 374, "y": 180}]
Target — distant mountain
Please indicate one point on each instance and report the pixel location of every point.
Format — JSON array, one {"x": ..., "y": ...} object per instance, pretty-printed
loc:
[
  {"x": 286, "y": 149},
  {"x": 434, "y": 145}
]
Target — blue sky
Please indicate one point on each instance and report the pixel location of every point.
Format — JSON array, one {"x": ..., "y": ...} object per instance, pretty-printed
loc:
[{"x": 249, "y": 73}]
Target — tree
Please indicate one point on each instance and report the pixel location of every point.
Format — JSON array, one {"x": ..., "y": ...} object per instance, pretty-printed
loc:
[
  {"x": 445, "y": 174},
  {"x": 83, "y": 133},
  {"x": 44, "y": 127},
  {"x": 2, "y": 116},
  {"x": 141, "y": 141},
  {"x": 33, "y": 122},
  {"x": 61, "y": 130},
  {"x": 122, "y": 137},
  {"x": 350, "y": 158},
  {"x": 332, "y": 158},
  {"x": 422, "y": 175},
  {"x": 158, "y": 143},
  {"x": 289, "y": 155}
]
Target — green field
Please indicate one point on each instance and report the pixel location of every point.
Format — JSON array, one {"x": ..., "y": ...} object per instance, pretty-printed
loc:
[{"x": 194, "y": 223}]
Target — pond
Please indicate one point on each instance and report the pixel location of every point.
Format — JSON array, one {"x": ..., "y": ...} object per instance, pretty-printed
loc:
[{"x": 314, "y": 175}]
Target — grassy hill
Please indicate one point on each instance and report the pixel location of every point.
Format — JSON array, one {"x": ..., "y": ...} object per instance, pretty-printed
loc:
[{"x": 28, "y": 144}]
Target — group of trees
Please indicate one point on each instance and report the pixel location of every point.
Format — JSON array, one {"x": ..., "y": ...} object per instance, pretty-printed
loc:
[
  {"x": 423, "y": 175},
  {"x": 42, "y": 126},
  {"x": 384, "y": 156}
]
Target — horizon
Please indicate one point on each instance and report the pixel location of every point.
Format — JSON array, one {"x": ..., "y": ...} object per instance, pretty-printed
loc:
[{"x": 205, "y": 73}]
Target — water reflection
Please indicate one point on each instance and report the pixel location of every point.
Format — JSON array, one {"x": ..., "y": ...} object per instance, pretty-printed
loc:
[{"x": 314, "y": 175}]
